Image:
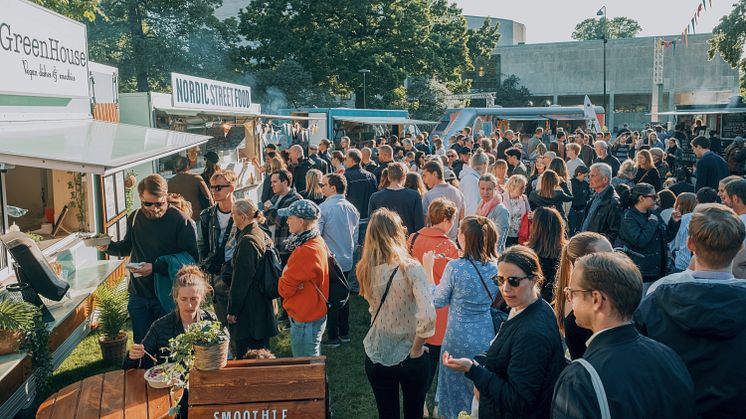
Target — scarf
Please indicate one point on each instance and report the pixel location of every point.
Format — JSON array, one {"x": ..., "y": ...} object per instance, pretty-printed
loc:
[
  {"x": 297, "y": 240},
  {"x": 485, "y": 207}
]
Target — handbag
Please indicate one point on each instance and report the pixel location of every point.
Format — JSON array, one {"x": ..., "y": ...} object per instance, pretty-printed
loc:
[
  {"x": 385, "y": 294},
  {"x": 498, "y": 316},
  {"x": 525, "y": 230},
  {"x": 598, "y": 387}
]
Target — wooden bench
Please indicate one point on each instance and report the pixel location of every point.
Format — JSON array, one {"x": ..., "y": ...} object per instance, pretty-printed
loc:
[{"x": 285, "y": 388}]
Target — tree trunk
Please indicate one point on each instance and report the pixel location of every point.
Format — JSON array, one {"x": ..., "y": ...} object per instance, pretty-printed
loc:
[{"x": 138, "y": 46}]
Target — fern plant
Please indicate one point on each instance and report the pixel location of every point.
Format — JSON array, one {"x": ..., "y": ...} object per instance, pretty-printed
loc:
[
  {"x": 16, "y": 315},
  {"x": 111, "y": 303}
]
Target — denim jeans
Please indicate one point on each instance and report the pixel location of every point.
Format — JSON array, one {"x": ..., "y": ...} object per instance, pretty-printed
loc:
[
  {"x": 305, "y": 337},
  {"x": 143, "y": 312}
]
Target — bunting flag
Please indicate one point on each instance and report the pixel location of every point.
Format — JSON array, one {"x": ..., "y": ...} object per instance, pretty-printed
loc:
[
  {"x": 710, "y": 4},
  {"x": 704, "y": 4},
  {"x": 693, "y": 29},
  {"x": 699, "y": 9}
]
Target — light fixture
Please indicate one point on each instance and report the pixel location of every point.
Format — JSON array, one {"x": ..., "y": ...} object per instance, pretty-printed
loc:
[{"x": 481, "y": 71}]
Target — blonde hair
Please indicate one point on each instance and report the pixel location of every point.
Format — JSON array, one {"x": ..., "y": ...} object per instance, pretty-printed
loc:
[
  {"x": 190, "y": 276},
  {"x": 385, "y": 242},
  {"x": 247, "y": 207},
  {"x": 581, "y": 244},
  {"x": 574, "y": 147},
  {"x": 313, "y": 178},
  {"x": 516, "y": 181},
  {"x": 273, "y": 164},
  {"x": 648, "y": 159},
  {"x": 178, "y": 201},
  {"x": 228, "y": 175}
]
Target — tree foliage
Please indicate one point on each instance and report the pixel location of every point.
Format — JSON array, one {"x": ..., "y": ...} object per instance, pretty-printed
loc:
[
  {"x": 618, "y": 27},
  {"x": 147, "y": 40},
  {"x": 729, "y": 39},
  {"x": 289, "y": 85},
  {"x": 82, "y": 10},
  {"x": 426, "y": 98},
  {"x": 335, "y": 39},
  {"x": 511, "y": 93}
]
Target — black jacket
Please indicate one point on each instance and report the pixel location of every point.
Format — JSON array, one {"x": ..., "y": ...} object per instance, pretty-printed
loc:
[
  {"x": 377, "y": 174},
  {"x": 163, "y": 329},
  {"x": 680, "y": 187},
  {"x": 650, "y": 176},
  {"x": 557, "y": 201},
  {"x": 608, "y": 217},
  {"x": 611, "y": 160},
  {"x": 711, "y": 169},
  {"x": 361, "y": 184},
  {"x": 299, "y": 173},
  {"x": 642, "y": 379},
  {"x": 704, "y": 321},
  {"x": 211, "y": 249},
  {"x": 253, "y": 311},
  {"x": 320, "y": 163},
  {"x": 516, "y": 376},
  {"x": 581, "y": 193},
  {"x": 647, "y": 237}
]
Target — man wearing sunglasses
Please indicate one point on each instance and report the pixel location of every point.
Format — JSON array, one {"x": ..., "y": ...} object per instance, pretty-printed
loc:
[
  {"x": 640, "y": 377},
  {"x": 153, "y": 230},
  {"x": 215, "y": 246}
]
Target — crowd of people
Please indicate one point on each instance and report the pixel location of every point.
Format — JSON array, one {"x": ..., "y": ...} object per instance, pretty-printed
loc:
[{"x": 571, "y": 275}]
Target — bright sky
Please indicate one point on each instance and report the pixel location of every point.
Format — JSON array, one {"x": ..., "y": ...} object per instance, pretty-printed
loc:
[{"x": 555, "y": 20}]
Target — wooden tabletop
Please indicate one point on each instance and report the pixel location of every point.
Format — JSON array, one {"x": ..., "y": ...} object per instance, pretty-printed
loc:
[{"x": 114, "y": 394}]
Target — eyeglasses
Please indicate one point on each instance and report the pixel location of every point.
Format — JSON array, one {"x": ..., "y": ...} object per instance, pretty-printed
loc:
[
  {"x": 152, "y": 204},
  {"x": 513, "y": 281},
  {"x": 651, "y": 196},
  {"x": 219, "y": 187},
  {"x": 569, "y": 292}
]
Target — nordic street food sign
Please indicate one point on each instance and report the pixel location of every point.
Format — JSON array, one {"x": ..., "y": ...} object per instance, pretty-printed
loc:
[
  {"x": 42, "y": 53},
  {"x": 197, "y": 93}
]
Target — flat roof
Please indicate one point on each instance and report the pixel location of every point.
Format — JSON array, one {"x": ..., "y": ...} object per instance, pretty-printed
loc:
[{"x": 88, "y": 145}]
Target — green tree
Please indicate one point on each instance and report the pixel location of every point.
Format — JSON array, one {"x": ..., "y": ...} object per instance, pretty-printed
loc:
[
  {"x": 618, "y": 27},
  {"x": 729, "y": 38},
  {"x": 79, "y": 10},
  {"x": 289, "y": 85},
  {"x": 511, "y": 93},
  {"x": 335, "y": 39},
  {"x": 426, "y": 98},
  {"x": 147, "y": 40}
]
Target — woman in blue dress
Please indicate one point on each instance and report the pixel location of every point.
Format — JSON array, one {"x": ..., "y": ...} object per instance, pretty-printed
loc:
[{"x": 467, "y": 288}]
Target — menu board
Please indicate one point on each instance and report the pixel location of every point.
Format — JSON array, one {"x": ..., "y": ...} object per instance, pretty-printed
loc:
[
  {"x": 110, "y": 198},
  {"x": 734, "y": 125}
]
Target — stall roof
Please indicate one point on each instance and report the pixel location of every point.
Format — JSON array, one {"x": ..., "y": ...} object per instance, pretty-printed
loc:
[
  {"x": 559, "y": 113},
  {"x": 703, "y": 111},
  {"x": 383, "y": 120},
  {"x": 88, "y": 145},
  {"x": 197, "y": 112}
]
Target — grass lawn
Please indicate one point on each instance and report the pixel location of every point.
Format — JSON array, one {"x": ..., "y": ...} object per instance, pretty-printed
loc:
[{"x": 351, "y": 396}]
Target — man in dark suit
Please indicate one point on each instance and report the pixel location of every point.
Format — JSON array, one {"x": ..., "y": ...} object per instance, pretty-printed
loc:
[
  {"x": 711, "y": 168},
  {"x": 603, "y": 212},
  {"x": 640, "y": 377}
]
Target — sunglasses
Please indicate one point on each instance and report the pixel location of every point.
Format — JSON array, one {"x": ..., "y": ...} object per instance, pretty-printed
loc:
[
  {"x": 219, "y": 187},
  {"x": 513, "y": 281},
  {"x": 152, "y": 204}
]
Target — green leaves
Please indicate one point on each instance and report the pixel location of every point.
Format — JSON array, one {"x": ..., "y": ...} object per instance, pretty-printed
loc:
[
  {"x": 111, "y": 302},
  {"x": 181, "y": 348},
  {"x": 729, "y": 38},
  {"x": 618, "y": 27},
  {"x": 17, "y": 315}
]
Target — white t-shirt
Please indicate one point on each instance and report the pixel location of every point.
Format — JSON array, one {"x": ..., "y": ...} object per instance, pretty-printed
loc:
[{"x": 223, "y": 220}]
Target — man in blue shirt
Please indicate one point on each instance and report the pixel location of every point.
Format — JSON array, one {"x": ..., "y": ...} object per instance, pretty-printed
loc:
[{"x": 338, "y": 225}]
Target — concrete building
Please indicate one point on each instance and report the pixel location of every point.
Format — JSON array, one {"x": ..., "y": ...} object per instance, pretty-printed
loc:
[
  {"x": 511, "y": 32},
  {"x": 564, "y": 72}
]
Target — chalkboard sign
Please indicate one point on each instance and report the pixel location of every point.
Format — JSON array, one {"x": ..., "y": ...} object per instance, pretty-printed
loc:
[{"x": 734, "y": 125}]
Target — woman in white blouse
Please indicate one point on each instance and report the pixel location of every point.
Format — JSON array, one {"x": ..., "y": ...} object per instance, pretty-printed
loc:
[{"x": 402, "y": 318}]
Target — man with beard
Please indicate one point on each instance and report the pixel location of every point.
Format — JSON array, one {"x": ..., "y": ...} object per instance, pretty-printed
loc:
[{"x": 153, "y": 230}]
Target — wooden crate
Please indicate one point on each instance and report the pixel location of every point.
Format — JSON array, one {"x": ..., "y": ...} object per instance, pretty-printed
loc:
[{"x": 286, "y": 388}]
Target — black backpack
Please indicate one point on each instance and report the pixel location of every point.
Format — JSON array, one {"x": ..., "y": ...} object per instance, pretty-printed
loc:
[
  {"x": 271, "y": 272},
  {"x": 339, "y": 289}
]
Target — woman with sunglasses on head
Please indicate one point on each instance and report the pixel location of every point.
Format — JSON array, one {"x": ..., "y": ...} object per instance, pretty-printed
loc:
[
  {"x": 402, "y": 318},
  {"x": 644, "y": 234},
  {"x": 579, "y": 245},
  {"x": 516, "y": 376},
  {"x": 468, "y": 291}
]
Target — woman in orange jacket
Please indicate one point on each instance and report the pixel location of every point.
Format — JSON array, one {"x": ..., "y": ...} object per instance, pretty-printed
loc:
[{"x": 304, "y": 284}]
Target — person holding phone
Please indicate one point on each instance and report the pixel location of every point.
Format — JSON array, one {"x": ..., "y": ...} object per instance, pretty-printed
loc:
[{"x": 153, "y": 230}]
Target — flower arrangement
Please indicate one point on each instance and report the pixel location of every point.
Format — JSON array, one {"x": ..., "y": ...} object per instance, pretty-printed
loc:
[{"x": 181, "y": 351}]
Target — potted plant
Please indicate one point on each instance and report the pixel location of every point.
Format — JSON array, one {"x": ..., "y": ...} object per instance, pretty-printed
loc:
[
  {"x": 16, "y": 319},
  {"x": 204, "y": 345},
  {"x": 111, "y": 303}
]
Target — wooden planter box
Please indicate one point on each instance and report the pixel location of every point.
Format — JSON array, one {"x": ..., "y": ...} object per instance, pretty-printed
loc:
[{"x": 286, "y": 388}]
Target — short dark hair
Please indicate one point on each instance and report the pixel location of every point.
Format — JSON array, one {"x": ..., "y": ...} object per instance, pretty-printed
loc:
[
  {"x": 614, "y": 275},
  {"x": 338, "y": 181},
  {"x": 737, "y": 188},
  {"x": 513, "y": 152},
  {"x": 181, "y": 164},
  {"x": 524, "y": 258},
  {"x": 355, "y": 155},
  {"x": 707, "y": 195},
  {"x": 284, "y": 175},
  {"x": 667, "y": 198},
  {"x": 434, "y": 167},
  {"x": 561, "y": 134},
  {"x": 153, "y": 184},
  {"x": 701, "y": 141}
]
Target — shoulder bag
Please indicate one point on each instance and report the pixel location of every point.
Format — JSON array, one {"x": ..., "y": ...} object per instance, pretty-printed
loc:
[
  {"x": 598, "y": 386},
  {"x": 498, "y": 316},
  {"x": 385, "y": 294}
]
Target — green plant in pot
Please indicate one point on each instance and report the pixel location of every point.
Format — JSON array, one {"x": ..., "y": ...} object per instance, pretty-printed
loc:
[
  {"x": 111, "y": 303},
  {"x": 204, "y": 345},
  {"x": 16, "y": 319}
]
